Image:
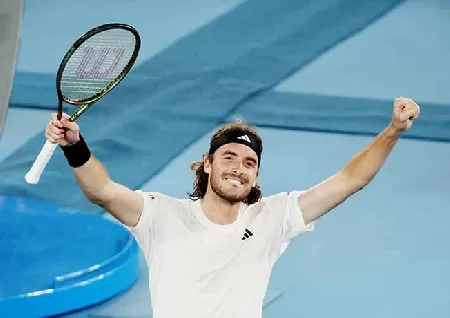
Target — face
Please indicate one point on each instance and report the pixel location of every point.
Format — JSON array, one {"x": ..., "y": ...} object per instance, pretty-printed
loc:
[{"x": 233, "y": 171}]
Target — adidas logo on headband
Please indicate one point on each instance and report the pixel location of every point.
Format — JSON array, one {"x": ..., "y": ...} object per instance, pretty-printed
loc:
[
  {"x": 239, "y": 137},
  {"x": 246, "y": 138}
]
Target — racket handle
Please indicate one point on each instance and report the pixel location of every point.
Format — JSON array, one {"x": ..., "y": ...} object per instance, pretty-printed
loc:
[{"x": 34, "y": 174}]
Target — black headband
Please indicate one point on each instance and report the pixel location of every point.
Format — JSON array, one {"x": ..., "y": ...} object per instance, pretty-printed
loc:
[{"x": 239, "y": 137}]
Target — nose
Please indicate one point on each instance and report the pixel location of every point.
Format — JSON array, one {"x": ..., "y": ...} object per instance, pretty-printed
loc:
[{"x": 237, "y": 167}]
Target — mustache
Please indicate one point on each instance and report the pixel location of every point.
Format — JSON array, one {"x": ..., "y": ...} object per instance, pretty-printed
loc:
[{"x": 242, "y": 178}]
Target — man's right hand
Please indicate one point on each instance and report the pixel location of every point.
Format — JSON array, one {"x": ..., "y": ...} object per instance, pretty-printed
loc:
[{"x": 64, "y": 132}]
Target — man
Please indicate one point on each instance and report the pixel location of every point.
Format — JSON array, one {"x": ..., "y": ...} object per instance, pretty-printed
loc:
[{"x": 211, "y": 255}]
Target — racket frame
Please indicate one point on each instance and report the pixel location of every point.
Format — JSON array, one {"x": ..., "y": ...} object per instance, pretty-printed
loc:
[
  {"x": 87, "y": 102},
  {"x": 33, "y": 175}
]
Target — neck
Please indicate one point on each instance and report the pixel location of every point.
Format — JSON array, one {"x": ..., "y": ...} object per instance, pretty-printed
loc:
[{"x": 218, "y": 210}]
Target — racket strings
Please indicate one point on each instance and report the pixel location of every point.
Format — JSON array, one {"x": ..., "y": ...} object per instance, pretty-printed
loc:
[{"x": 97, "y": 63}]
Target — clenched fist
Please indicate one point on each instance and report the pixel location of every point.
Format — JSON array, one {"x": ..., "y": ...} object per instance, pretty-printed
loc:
[
  {"x": 405, "y": 112},
  {"x": 64, "y": 132}
]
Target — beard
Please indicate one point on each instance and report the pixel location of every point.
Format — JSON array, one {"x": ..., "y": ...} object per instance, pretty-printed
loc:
[{"x": 225, "y": 190}]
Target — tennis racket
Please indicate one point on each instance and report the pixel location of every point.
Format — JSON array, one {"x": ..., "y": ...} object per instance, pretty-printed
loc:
[{"x": 90, "y": 69}]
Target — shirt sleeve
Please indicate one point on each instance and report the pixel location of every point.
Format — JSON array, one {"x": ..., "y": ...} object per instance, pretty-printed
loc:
[
  {"x": 291, "y": 216},
  {"x": 143, "y": 230},
  {"x": 294, "y": 223}
]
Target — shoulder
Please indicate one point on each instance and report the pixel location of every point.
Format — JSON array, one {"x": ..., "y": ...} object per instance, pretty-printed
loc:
[
  {"x": 156, "y": 197},
  {"x": 275, "y": 205},
  {"x": 281, "y": 199},
  {"x": 155, "y": 201},
  {"x": 282, "y": 205}
]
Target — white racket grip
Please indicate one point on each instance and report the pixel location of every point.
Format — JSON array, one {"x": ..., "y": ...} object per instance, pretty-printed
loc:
[{"x": 34, "y": 174}]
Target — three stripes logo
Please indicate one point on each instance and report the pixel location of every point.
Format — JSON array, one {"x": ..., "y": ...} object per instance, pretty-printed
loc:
[
  {"x": 247, "y": 234},
  {"x": 246, "y": 138}
]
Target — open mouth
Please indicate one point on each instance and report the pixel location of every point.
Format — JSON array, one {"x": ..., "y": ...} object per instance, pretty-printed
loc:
[{"x": 234, "y": 181}]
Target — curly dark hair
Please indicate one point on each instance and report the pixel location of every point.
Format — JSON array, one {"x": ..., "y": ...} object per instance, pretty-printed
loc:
[{"x": 201, "y": 177}]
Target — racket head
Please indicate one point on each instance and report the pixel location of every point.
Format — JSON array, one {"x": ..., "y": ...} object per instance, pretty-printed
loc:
[{"x": 96, "y": 63}]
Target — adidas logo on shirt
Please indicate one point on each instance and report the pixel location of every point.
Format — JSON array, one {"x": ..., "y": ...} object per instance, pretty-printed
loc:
[{"x": 247, "y": 234}]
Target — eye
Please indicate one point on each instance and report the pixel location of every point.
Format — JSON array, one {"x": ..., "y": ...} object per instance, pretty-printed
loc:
[{"x": 251, "y": 163}]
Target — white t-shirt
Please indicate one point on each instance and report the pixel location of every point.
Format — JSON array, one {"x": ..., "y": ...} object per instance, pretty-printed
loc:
[{"x": 199, "y": 269}]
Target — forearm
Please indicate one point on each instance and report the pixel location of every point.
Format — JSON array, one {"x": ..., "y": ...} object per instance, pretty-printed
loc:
[
  {"x": 123, "y": 203},
  {"x": 93, "y": 180},
  {"x": 89, "y": 172},
  {"x": 363, "y": 167}
]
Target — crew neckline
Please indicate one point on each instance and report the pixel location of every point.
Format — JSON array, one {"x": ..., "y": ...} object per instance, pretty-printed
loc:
[{"x": 204, "y": 220}]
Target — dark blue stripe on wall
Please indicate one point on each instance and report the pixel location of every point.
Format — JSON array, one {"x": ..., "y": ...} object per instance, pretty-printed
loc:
[{"x": 337, "y": 114}]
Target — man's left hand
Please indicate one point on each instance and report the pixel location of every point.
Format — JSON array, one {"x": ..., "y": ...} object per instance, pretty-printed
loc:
[{"x": 405, "y": 112}]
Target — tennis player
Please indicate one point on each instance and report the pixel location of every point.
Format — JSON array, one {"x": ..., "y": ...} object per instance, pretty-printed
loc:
[{"x": 211, "y": 255}]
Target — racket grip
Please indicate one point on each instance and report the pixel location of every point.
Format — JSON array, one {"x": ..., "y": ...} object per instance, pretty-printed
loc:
[{"x": 34, "y": 174}]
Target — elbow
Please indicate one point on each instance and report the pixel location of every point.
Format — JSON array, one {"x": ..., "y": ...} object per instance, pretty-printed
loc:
[
  {"x": 100, "y": 197},
  {"x": 358, "y": 184},
  {"x": 97, "y": 199},
  {"x": 353, "y": 183}
]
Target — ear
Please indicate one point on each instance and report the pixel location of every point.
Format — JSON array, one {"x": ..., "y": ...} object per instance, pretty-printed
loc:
[{"x": 206, "y": 164}]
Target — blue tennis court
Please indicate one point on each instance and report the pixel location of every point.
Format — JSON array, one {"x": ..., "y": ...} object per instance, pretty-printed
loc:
[{"x": 317, "y": 79}]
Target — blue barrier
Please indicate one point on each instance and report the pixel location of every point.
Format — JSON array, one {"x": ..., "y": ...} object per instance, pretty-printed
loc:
[{"x": 47, "y": 275}]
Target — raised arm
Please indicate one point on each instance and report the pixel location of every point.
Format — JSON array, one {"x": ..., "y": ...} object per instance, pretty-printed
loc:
[
  {"x": 362, "y": 168},
  {"x": 124, "y": 204}
]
